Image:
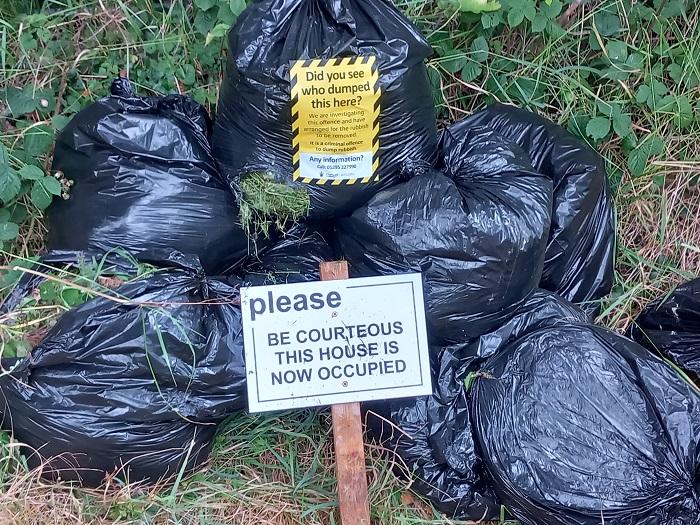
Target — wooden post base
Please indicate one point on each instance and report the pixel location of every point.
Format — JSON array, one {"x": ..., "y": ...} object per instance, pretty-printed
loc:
[{"x": 349, "y": 444}]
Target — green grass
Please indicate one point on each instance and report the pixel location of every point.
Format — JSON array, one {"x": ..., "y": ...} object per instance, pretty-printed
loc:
[
  {"x": 60, "y": 290},
  {"x": 265, "y": 203},
  {"x": 623, "y": 76}
]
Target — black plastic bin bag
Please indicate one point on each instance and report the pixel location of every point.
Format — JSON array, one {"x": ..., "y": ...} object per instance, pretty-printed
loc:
[
  {"x": 134, "y": 388},
  {"x": 477, "y": 233},
  {"x": 144, "y": 179},
  {"x": 578, "y": 425},
  {"x": 253, "y": 129},
  {"x": 671, "y": 325},
  {"x": 579, "y": 261},
  {"x": 295, "y": 257},
  {"x": 433, "y": 435}
]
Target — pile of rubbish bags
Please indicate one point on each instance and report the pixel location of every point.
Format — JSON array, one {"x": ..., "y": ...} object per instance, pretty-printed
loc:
[{"x": 508, "y": 218}]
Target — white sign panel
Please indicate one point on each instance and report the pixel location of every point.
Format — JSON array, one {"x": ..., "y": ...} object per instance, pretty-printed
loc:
[{"x": 327, "y": 342}]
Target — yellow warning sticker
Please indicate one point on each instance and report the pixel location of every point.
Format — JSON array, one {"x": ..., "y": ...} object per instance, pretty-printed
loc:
[{"x": 335, "y": 120}]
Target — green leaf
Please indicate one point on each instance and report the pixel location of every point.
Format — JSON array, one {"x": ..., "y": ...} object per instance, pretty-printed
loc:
[
  {"x": 19, "y": 213},
  {"x": 60, "y": 121},
  {"x": 652, "y": 93},
  {"x": 8, "y": 231},
  {"x": 643, "y": 94},
  {"x": 555, "y": 30},
  {"x": 49, "y": 291},
  {"x": 72, "y": 297},
  {"x": 656, "y": 146},
  {"x": 454, "y": 63},
  {"x": 36, "y": 20},
  {"x": 529, "y": 11},
  {"x": 30, "y": 172},
  {"x": 471, "y": 71},
  {"x": 4, "y": 215},
  {"x": 217, "y": 32},
  {"x": 608, "y": 24},
  {"x": 20, "y": 101},
  {"x": 41, "y": 198},
  {"x": 225, "y": 16},
  {"x": 527, "y": 90},
  {"x": 686, "y": 114},
  {"x": 205, "y": 4},
  {"x": 188, "y": 74},
  {"x": 675, "y": 72},
  {"x": 682, "y": 109},
  {"x": 469, "y": 380},
  {"x": 659, "y": 180},
  {"x": 606, "y": 108},
  {"x": 51, "y": 185},
  {"x": 666, "y": 104},
  {"x": 614, "y": 73},
  {"x": 46, "y": 100},
  {"x": 237, "y": 6},
  {"x": 671, "y": 8},
  {"x": 551, "y": 9},
  {"x": 4, "y": 160},
  {"x": 616, "y": 50},
  {"x": 11, "y": 277},
  {"x": 204, "y": 22},
  {"x": 629, "y": 143},
  {"x": 27, "y": 41},
  {"x": 479, "y": 49},
  {"x": 635, "y": 61},
  {"x": 637, "y": 160},
  {"x": 44, "y": 34},
  {"x": 10, "y": 186},
  {"x": 622, "y": 123},
  {"x": 479, "y": 6},
  {"x": 593, "y": 42},
  {"x": 38, "y": 140},
  {"x": 639, "y": 156},
  {"x": 539, "y": 23},
  {"x": 598, "y": 128},
  {"x": 515, "y": 17},
  {"x": 489, "y": 20},
  {"x": 577, "y": 125}
]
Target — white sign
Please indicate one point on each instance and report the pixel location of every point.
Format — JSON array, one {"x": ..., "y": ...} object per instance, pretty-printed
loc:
[{"x": 327, "y": 342}]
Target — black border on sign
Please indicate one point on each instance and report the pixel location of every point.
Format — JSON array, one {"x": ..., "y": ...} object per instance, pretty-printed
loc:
[
  {"x": 418, "y": 347},
  {"x": 255, "y": 359}
]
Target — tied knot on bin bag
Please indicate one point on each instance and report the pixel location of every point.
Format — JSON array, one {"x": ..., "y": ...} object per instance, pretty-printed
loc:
[
  {"x": 252, "y": 138},
  {"x": 145, "y": 179}
]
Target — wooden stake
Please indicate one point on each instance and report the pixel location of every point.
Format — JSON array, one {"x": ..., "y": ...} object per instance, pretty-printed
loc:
[{"x": 349, "y": 444}]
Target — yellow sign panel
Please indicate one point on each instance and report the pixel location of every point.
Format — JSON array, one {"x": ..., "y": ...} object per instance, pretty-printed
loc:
[{"x": 335, "y": 120}]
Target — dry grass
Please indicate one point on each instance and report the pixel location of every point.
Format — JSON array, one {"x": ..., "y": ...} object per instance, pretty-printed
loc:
[
  {"x": 658, "y": 237},
  {"x": 250, "y": 480}
]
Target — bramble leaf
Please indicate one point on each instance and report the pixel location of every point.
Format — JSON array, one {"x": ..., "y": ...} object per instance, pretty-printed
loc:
[{"x": 598, "y": 128}]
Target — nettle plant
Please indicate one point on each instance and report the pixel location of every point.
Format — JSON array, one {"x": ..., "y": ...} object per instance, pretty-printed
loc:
[
  {"x": 624, "y": 73},
  {"x": 26, "y": 188}
]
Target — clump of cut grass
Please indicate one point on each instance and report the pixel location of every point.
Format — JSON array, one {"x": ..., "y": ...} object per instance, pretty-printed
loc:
[{"x": 266, "y": 204}]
